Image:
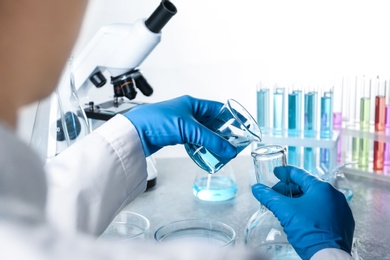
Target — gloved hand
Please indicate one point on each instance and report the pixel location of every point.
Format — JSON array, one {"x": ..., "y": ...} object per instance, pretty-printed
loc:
[
  {"x": 315, "y": 218},
  {"x": 179, "y": 121}
]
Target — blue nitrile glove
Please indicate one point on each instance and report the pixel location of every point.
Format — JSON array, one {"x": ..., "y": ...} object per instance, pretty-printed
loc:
[
  {"x": 316, "y": 217},
  {"x": 179, "y": 121}
]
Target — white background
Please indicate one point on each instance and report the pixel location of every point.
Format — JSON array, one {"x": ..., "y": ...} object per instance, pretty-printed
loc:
[{"x": 220, "y": 49}]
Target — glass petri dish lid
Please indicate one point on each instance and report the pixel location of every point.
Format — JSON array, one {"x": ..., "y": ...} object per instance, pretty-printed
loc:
[
  {"x": 213, "y": 233},
  {"x": 127, "y": 226}
]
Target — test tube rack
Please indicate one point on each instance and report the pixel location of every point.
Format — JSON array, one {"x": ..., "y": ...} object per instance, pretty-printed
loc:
[{"x": 338, "y": 143}]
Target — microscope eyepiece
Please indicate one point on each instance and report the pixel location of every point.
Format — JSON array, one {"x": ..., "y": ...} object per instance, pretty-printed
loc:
[{"x": 160, "y": 17}]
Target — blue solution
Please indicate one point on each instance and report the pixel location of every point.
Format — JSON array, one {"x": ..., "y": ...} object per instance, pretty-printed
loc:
[
  {"x": 325, "y": 159},
  {"x": 278, "y": 111},
  {"x": 295, "y": 113},
  {"x": 326, "y": 126},
  {"x": 309, "y": 162},
  {"x": 210, "y": 162},
  {"x": 214, "y": 188},
  {"x": 263, "y": 110},
  {"x": 293, "y": 157},
  {"x": 310, "y": 114},
  {"x": 294, "y": 124}
]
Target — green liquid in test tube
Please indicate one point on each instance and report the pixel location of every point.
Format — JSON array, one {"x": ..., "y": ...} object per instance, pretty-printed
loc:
[{"x": 365, "y": 112}]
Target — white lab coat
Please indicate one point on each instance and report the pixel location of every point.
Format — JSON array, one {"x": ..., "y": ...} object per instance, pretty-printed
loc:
[{"x": 58, "y": 216}]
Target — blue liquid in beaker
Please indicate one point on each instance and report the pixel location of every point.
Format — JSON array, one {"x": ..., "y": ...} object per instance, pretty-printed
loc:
[
  {"x": 214, "y": 188},
  {"x": 208, "y": 161}
]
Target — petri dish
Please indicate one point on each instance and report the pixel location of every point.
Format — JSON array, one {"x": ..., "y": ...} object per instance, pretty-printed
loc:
[
  {"x": 213, "y": 233},
  {"x": 127, "y": 226}
]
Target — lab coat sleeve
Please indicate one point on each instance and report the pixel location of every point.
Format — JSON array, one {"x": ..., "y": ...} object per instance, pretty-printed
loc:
[
  {"x": 95, "y": 178},
  {"x": 331, "y": 254}
]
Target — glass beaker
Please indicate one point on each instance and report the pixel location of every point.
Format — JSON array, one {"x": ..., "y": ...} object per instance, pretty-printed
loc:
[
  {"x": 235, "y": 124},
  {"x": 220, "y": 186},
  {"x": 263, "y": 231}
]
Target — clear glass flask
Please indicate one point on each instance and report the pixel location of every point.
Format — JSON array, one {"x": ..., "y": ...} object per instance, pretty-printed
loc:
[
  {"x": 235, "y": 124},
  {"x": 263, "y": 231}
]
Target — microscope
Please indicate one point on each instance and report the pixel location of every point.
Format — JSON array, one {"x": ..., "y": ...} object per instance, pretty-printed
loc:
[{"x": 74, "y": 109}]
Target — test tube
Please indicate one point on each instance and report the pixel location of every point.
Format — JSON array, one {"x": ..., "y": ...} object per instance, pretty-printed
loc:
[
  {"x": 380, "y": 109},
  {"x": 279, "y": 116},
  {"x": 326, "y": 126},
  {"x": 364, "y": 144},
  {"x": 310, "y": 109},
  {"x": 355, "y": 117},
  {"x": 337, "y": 113},
  {"x": 263, "y": 108},
  {"x": 294, "y": 123},
  {"x": 380, "y": 106},
  {"x": 365, "y": 101},
  {"x": 295, "y": 112},
  {"x": 387, "y": 124}
]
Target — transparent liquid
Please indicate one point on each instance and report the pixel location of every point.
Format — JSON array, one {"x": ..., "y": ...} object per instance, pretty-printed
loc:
[
  {"x": 214, "y": 188},
  {"x": 278, "y": 112},
  {"x": 365, "y": 113},
  {"x": 210, "y": 162},
  {"x": 263, "y": 110}
]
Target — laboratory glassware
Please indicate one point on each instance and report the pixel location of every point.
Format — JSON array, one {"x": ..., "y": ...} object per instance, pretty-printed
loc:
[
  {"x": 355, "y": 118},
  {"x": 294, "y": 123},
  {"x": 220, "y": 186},
  {"x": 310, "y": 108},
  {"x": 364, "y": 143},
  {"x": 263, "y": 231},
  {"x": 127, "y": 226},
  {"x": 340, "y": 181},
  {"x": 263, "y": 108},
  {"x": 185, "y": 231},
  {"x": 386, "y": 160},
  {"x": 279, "y": 113},
  {"x": 326, "y": 126},
  {"x": 337, "y": 112},
  {"x": 295, "y": 112},
  {"x": 310, "y": 113},
  {"x": 235, "y": 124},
  {"x": 380, "y": 110}
]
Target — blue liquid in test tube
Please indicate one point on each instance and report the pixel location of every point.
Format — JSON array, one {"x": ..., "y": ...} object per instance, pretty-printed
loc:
[
  {"x": 310, "y": 112},
  {"x": 295, "y": 113},
  {"x": 278, "y": 111},
  {"x": 294, "y": 124},
  {"x": 263, "y": 110},
  {"x": 310, "y": 129},
  {"x": 326, "y": 115},
  {"x": 326, "y": 126}
]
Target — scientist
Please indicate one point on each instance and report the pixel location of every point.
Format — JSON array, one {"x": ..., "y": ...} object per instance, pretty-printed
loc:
[{"x": 54, "y": 213}]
